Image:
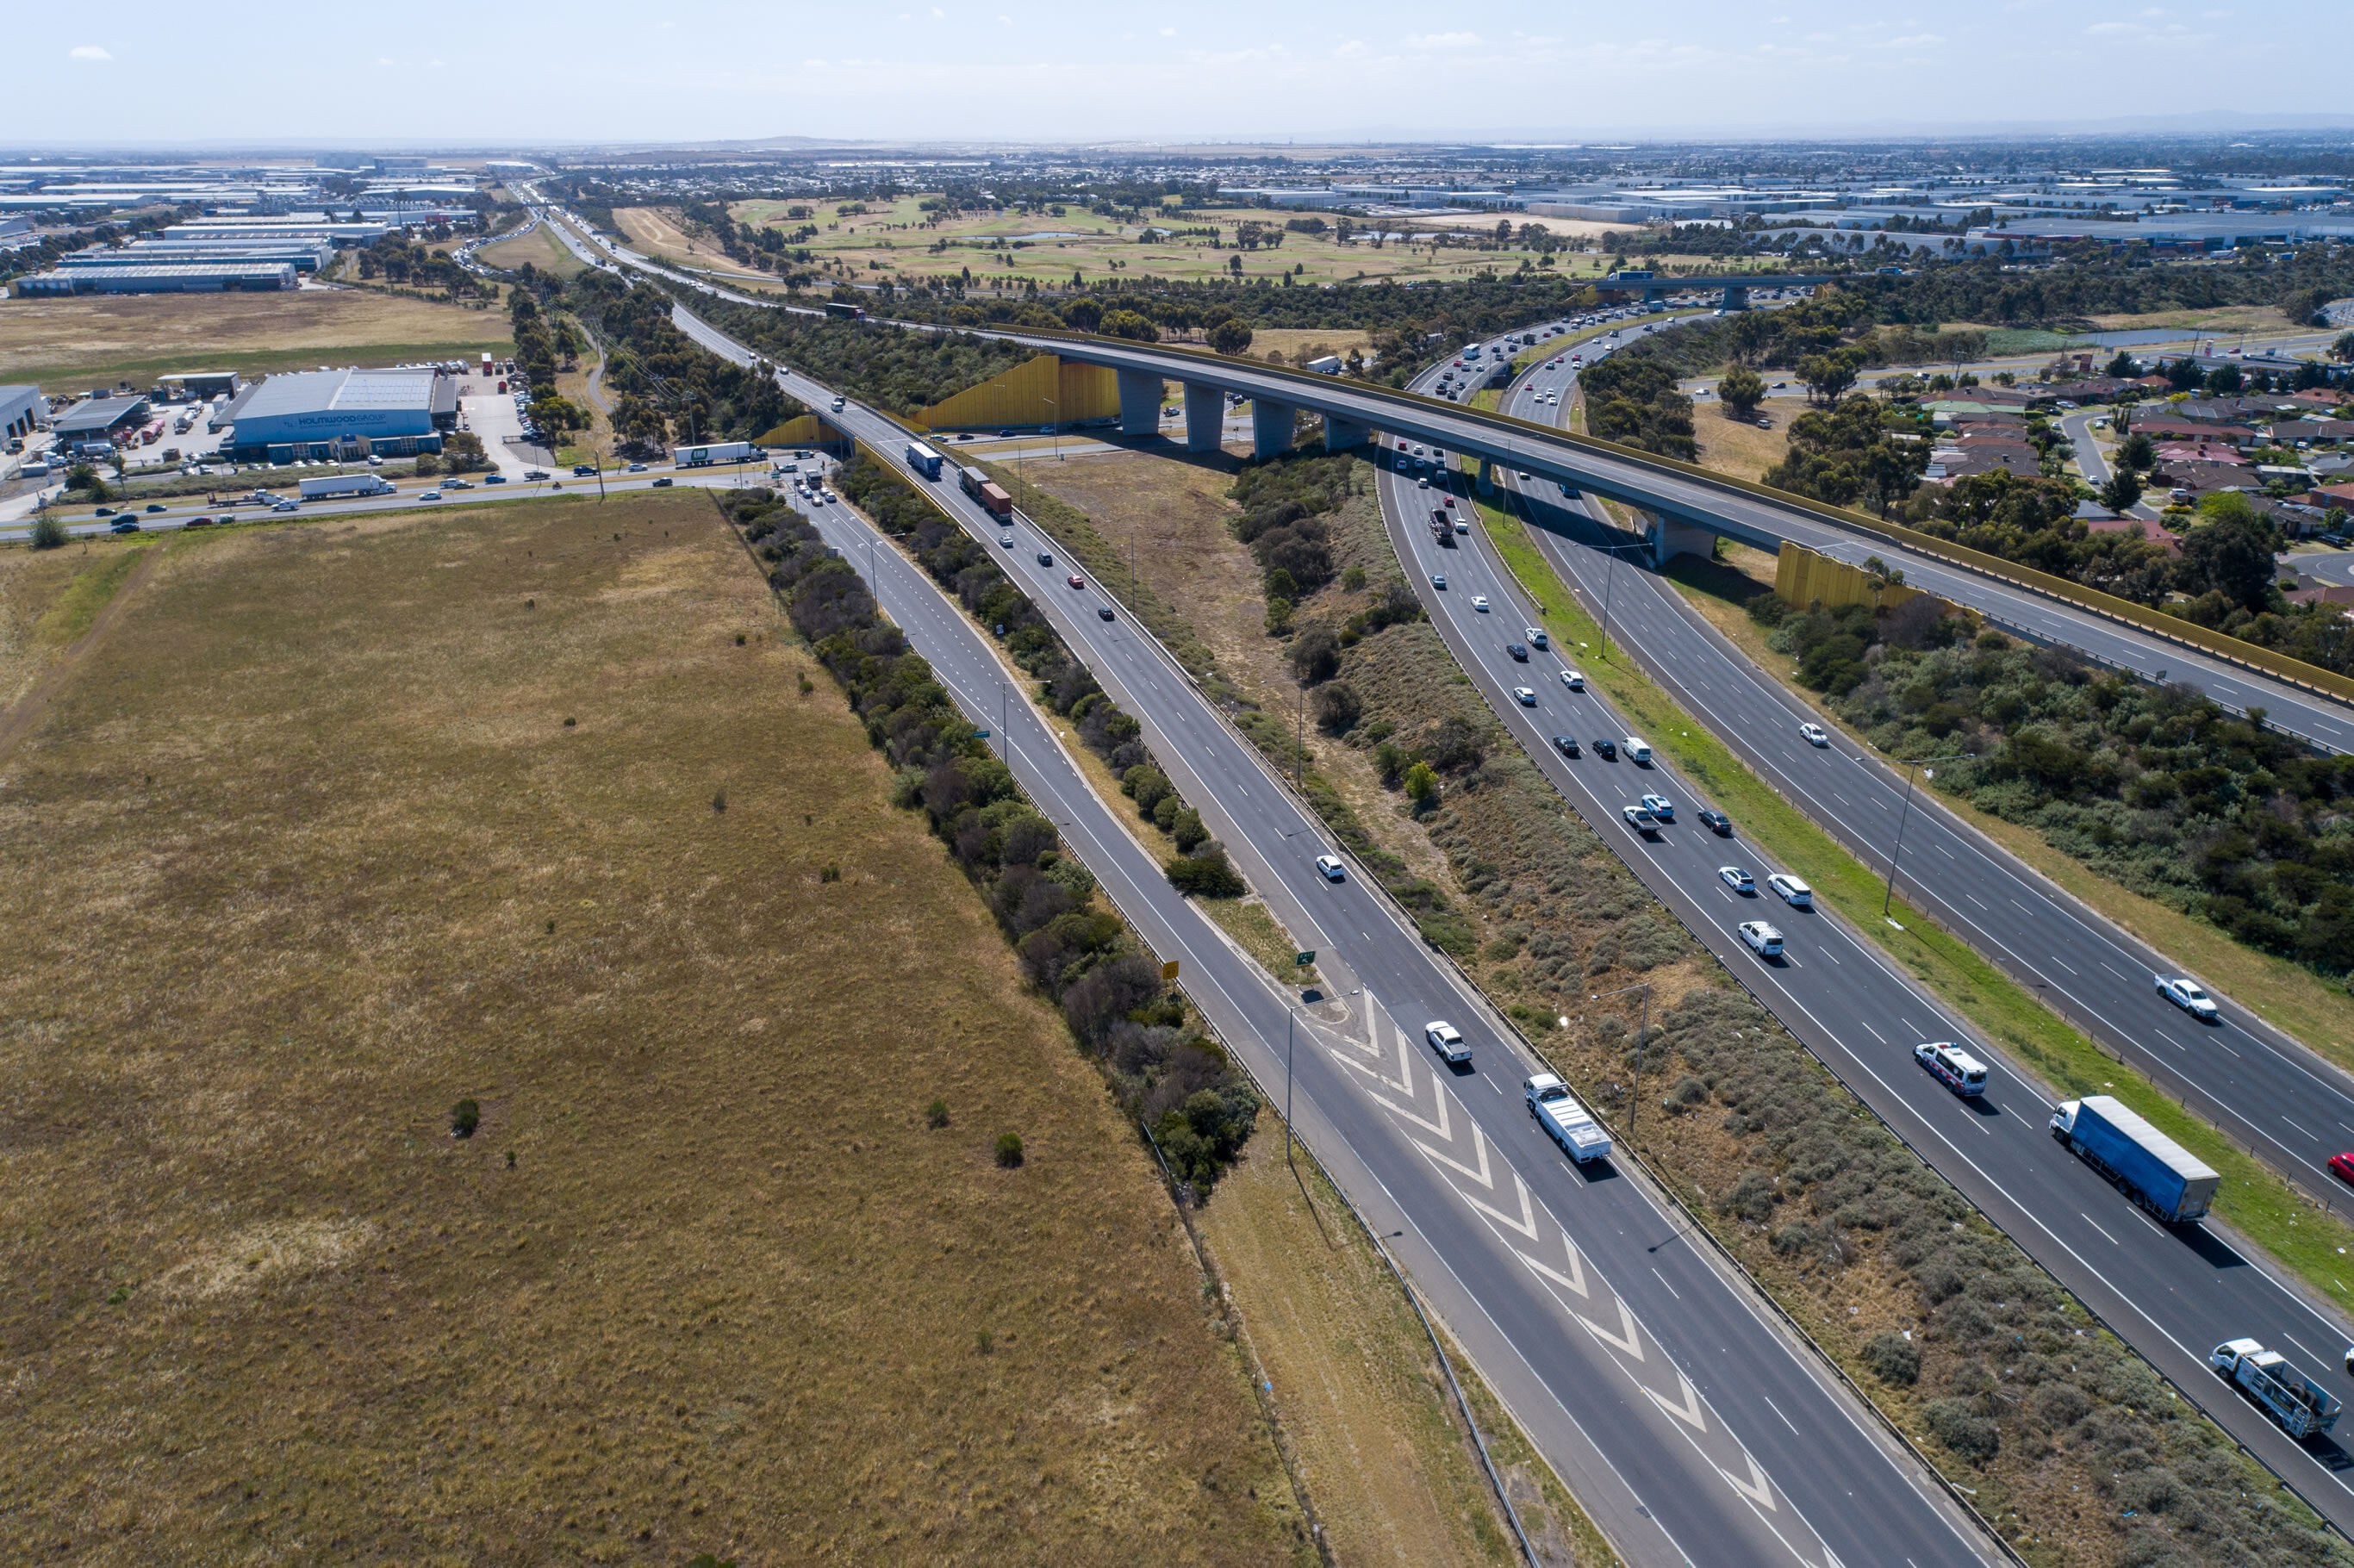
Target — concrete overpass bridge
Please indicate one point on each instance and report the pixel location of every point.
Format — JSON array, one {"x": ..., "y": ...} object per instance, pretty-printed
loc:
[{"x": 1652, "y": 287}]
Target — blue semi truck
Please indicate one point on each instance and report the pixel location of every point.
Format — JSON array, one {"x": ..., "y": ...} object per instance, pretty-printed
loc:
[{"x": 2146, "y": 1165}]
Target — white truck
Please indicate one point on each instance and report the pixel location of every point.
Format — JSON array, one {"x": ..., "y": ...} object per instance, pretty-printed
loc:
[
  {"x": 2302, "y": 1406},
  {"x": 344, "y": 485},
  {"x": 1565, "y": 1121},
  {"x": 711, "y": 452}
]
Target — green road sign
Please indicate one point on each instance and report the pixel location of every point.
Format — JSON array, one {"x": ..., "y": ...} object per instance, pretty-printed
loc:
[{"x": 1304, "y": 960}]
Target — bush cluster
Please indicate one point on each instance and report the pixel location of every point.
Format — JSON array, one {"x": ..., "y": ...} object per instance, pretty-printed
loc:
[
  {"x": 2155, "y": 787},
  {"x": 1074, "y": 950}
]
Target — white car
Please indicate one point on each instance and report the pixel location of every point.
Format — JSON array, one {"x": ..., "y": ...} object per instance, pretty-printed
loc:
[
  {"x": 1480, "y": 602},
  {"x": 1332, "y": 867},
  {"x": 1446, "y": 1041},
  {"x": 1660, "y": 807},
  {"x": 1762, "y": 939},
  {"x": 1526, "y": 696},
  {"x": 1816, "y": 735},
  {"x": 1735, "y": 878},
  {"x": 1795, "y": 894},
  {"x": 430, "y": 495},
  {"x": 2186, "y": 994},
  {"x": 1535, "y": 634},
  {"x": 1574, "y": 679}
]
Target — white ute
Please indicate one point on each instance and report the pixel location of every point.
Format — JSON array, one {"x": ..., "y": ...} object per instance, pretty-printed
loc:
[
  {"x": 1446, "y": 1041},
  {"x": 1565, "y": 1121}
]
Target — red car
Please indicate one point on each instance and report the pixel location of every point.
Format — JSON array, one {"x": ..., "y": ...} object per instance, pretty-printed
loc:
[
  {"x": 1076, "y": 580},
  {"x": 2342, "y": 1167}
]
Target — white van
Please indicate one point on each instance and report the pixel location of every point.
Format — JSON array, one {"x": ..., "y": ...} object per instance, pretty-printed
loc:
[
  {"x": 1639, "y": 750},
  {"x": 1953, "y": 1066}
]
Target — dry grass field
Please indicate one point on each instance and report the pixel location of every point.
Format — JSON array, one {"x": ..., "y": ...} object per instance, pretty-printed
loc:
[
  {"x": 94, "y": 340},
  {"x": 339, "y": 824},
  {"x": 539, "y": 248},
  {"x": 1737, "y": 446}
]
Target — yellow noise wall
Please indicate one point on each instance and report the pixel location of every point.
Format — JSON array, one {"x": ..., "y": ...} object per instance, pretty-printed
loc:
[
  {"x": 1045, "y": 391},
  {"x": 1802, "y": 577}
]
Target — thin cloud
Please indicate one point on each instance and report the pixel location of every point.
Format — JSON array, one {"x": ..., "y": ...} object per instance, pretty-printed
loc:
[
  {"x": 1443, "y": 41},
  {"x": 89, "y": 52},
  {"x": 1917, "y": 41}
]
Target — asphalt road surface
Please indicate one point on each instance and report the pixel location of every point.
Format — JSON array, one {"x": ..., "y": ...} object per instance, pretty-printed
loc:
[
  {"x": 2172, "y": 1292},
  {"x": 1688, "y": 1420}
]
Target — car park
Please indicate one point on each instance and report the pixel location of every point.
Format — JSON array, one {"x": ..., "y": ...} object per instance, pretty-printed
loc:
[
  {"x": 1737, "y": 879},
  {"x": 1332, "y": 867},
  {"x": 1660, "y": 807},
  {"x": 1606, "y": 748},
  {"x": 1717, "y": 822},
  {"x": 1574, "y": 679},
  {"x": 2187, "y": 994},
  {"x": 1526, "y": 696},
  {"x": 1519, "y": 650},
  {"x": 1762, "y": 939},
  {"x": 1814, "y": 734},
  {"x": 1793, "y": 891},
  {"x": 1447, "y": 1041},
  {"x": 1480, "y": 602}
]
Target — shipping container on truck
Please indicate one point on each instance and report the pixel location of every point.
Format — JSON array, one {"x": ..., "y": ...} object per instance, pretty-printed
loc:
[
  {"x": 715, "y": 451},
  {"x": 986, "y": 491},
  {"x": 488, "y": 370},
  {"x": 2146, "y": 1165},
  {"x": 2302, "y": 1406},
  {"x": 923, "y": 459},
  {"x": 342, "y": 484},
  {"x": 848, "y": 313}
]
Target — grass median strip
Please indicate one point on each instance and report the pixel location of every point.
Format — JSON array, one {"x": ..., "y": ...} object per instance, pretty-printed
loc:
[{"x": 2310, "y": 1239}]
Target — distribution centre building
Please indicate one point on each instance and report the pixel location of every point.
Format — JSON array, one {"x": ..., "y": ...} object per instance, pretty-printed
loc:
[
  {"x": 21, "y": 410},
  {"x": 342, "y": 413},
  {"x": 161, "y": 278}
]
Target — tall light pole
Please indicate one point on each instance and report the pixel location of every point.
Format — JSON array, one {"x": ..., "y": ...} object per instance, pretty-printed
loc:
[
  {"x": 1919, "y": 765},
  {"x": 1635, "y": 1102},
  {"x": 1610, "y": 578}
]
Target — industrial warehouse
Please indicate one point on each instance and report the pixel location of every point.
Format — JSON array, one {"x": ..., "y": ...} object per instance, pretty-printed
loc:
[
  {"x": 341, "y": 414},
  {"x": 161, "y": 278}
]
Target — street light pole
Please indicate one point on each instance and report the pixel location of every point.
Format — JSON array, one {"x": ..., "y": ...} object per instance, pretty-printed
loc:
[
  {"x": 1641, "y": 1029},
  {"x": 1286, "y": 1085},
  {"x": 1919, "y": 764}
]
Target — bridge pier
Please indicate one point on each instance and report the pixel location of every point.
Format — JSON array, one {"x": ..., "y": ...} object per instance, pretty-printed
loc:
[
  {"x": 1670, "y": 538},
  {"x": 1737, "y": 297},
  {"x": 1139, "y": 403},
  {"x": 1205, "y": 416},
  {"x": 1271, "y": 428},
  {"x": 1487, "y": 481},
  {"x": 1341, "y": 434}
]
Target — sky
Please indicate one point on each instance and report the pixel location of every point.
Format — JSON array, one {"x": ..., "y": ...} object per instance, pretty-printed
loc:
[{"x": 531, "y": 73}]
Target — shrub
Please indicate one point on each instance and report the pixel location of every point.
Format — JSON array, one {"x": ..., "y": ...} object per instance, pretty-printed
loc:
[
  {"x": 48, "y": 532},
  {"x": 1206, "y": 873},
  {"x": 1894, "y": 1359},
  {"x": 1959, "y": 1426},
  {"x": 427, "y": 464},
  {"x": 1147, "y": 785},
  {"x": 1009, "y": 1150},
  {"x": 465, "y": 1118},
  {"x": 1421, "y": 784},
  {"x": 1338, "y": 707},
  {"x": 1316, "y": 656},
  {"x": 936, "y": 1115},
  {"x": 1188, "y": 831}
]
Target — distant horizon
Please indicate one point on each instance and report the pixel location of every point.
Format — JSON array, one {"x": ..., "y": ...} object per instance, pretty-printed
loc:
[{"x": 1048, "y": 74}]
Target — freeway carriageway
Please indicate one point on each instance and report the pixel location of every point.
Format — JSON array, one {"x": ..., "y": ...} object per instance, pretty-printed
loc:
[
  {"x": 2165, "y": 1291},
  {"x": 2172, "y": 1292},
  {"x": 1687, "y": 1418}
]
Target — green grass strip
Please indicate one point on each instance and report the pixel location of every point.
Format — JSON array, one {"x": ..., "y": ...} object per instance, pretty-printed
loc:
[
  {"x": 90, "y": 591},
  {"x": 2310, "y": 1239}
]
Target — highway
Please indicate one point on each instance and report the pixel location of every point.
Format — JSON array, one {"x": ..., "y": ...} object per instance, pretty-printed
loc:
[
  {"x": 2172, "y": 1293},
  {"x": 1688, "y": 1420},
  {"x": 2168, "y": 1292}
]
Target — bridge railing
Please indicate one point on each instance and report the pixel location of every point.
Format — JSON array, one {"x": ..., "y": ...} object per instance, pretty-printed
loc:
[{"x": 2232, "y": 650}]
